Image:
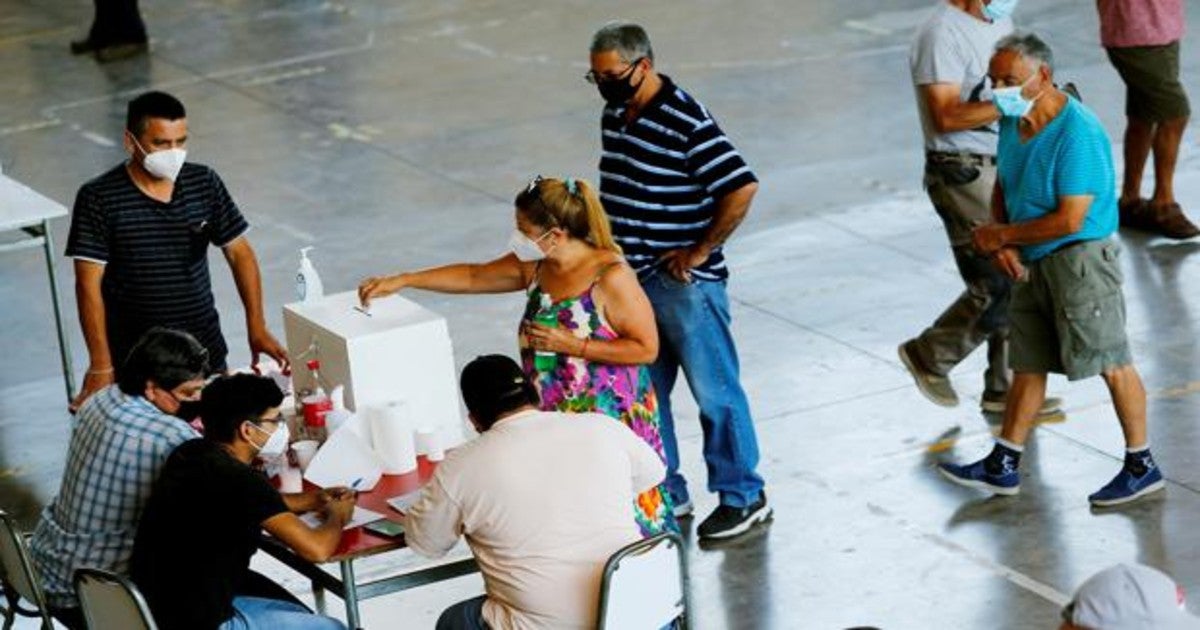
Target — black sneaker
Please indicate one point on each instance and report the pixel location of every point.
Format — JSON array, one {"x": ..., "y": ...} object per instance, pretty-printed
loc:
[{"x": 728, "y": 521}]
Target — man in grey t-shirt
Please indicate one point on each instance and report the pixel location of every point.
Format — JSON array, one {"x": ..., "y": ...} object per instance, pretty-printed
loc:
[{"x": 949, "y": 62}]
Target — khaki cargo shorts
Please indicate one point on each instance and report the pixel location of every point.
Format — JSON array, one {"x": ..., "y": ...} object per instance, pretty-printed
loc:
[{"x": 1068, "y": 316}]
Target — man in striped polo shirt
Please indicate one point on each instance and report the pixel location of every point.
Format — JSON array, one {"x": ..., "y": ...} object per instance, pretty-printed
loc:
[
  {"x": 675, "y": 189},
  {"x": 1055, "y": 209},
  {"x": 140, "y": 235}
]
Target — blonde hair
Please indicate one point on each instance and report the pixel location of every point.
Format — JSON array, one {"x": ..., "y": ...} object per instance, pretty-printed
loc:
[{"x": 570, "y": 204}]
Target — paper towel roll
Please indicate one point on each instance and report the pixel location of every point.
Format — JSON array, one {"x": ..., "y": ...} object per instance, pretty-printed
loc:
[
  {"x": 392, "y": 435},
  {"x": 429, "y": 444}
]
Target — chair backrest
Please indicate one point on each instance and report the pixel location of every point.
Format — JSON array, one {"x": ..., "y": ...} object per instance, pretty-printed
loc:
[
  {"x": 645, "y": 585},
  {"x": 16, "y": 569},
  {"x": 112, "y": 601}
]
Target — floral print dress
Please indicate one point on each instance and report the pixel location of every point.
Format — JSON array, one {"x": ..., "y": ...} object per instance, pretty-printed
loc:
[{"x": 623, "y": 392}]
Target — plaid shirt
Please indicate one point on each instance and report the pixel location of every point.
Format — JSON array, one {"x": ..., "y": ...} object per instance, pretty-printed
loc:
[{"x": 118, "y": 445}]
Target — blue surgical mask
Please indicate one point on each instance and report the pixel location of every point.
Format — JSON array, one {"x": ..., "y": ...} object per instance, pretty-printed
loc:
[
  {"x": 999, "y": 9},
  {"x": 1010, "y": 102}
]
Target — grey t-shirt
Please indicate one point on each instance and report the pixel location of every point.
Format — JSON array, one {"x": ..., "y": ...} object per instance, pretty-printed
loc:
[{"x": 954, "y": 46}]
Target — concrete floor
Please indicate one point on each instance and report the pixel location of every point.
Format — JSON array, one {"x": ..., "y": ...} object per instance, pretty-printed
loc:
[{"x": 394, "y": 134}]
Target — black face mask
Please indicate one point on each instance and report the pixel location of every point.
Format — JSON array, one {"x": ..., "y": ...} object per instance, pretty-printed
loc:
[
  {"x": 617, "y": 92},
  {"x": 188, "y": 410}
]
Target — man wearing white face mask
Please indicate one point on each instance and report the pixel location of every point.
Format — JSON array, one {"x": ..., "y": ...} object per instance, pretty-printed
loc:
[
  {"x": 949, "y": 61},
  {"x": 140, "y": 235},
  {"x": 191, "y": 557}
]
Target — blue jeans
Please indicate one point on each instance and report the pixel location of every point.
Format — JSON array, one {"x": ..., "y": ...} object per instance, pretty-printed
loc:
[
  {"x": 258, "y": 613},
  {"x": 693, "y": 334},
  {"x": 465, "y": 615}
]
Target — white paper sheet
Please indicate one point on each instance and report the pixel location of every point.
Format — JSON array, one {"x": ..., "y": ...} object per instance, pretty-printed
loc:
[
  {"x": 344, "y": 459},
  {"x": 361, "y": 517}
]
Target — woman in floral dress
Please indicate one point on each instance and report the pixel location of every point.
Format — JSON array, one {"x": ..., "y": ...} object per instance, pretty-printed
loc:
[{"x": 604, "y": 334}]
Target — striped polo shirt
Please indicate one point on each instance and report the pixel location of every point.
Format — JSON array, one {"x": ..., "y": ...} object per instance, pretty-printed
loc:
[
  {"x": 156, "y": 254},
  {"x": 661, "y": 176}
]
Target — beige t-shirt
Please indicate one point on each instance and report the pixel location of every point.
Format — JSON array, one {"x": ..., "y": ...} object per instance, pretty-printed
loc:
[{"x": 543, "y": 499}]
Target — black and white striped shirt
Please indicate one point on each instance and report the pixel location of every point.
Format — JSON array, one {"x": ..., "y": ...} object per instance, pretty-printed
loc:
[
  {"x": 661, "y": 176},
  {"x": 156, "y": 254}
]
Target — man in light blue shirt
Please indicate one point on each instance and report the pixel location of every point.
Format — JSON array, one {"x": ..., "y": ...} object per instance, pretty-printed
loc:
[
  {"x": 1055, "y": 207},
  {"x": 119, "y": 442}
]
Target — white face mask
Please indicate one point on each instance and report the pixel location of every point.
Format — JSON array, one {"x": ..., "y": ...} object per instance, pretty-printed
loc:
[
  {"x": 164, "y": 164},
  {"x": 276, "y": 444},
  {"x": 526, "y": 248}
]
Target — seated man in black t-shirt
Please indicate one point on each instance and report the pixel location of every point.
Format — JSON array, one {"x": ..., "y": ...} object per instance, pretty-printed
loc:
[{"x": 191, "y": 556}]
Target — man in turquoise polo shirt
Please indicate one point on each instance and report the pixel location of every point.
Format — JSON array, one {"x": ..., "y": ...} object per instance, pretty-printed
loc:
[{"x": 1055, "y": 208}]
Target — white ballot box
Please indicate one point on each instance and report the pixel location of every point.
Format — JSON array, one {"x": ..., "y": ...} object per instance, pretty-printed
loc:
[{"x": 399, "y": 352}]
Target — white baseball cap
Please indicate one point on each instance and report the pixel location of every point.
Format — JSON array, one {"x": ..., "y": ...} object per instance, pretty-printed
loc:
[{"x": 1130, "y": 597}]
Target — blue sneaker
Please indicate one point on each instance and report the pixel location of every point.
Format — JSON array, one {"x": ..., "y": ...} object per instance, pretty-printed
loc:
[
  {"x": 976, "y": 476},
  {"x": 1126, "y": 487}
]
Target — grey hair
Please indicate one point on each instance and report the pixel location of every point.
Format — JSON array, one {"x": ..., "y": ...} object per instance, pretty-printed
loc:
[
  {"x": 1029, "y": 46},
  {"x": 628, "y": 39}
]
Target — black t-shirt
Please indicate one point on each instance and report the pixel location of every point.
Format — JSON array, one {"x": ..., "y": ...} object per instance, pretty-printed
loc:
[
  {"x": 200, "y": 527},
  {"x": 156, "y": 254}
]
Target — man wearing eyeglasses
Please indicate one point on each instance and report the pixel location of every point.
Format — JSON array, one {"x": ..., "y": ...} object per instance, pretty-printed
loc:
[
  {"x": 121, "y": 437},
  {"x": 675, "y": 189},
  {"x": 203, "y": 520}
]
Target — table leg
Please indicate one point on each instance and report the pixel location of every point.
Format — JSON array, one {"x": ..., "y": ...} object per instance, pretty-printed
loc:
[
  {"x": 64, "y": 346},
  {"x": 351, "y": 596}
]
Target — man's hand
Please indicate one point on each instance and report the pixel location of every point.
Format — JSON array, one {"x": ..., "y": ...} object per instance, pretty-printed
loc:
[
  {"x": 1008, "y": 261},
  {"x": 340, "y": 508},
  {"x": 680, "y": 262},
  {"x": 989, "y": 238},
  {"x": 329, "y": 495},
  {"x": 93, "y": 381},
  {"x": 263, "y": 342}
]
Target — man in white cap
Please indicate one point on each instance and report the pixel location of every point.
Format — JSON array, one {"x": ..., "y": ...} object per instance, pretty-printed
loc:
[{"x": 1129, "y": 597}]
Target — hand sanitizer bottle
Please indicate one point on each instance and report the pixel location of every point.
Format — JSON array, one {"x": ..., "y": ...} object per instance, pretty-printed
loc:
[{"x": 308, "y": 283}]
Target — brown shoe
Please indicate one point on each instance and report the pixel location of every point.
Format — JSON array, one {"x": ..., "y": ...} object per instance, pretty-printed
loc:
[
  {"x": 1171, "y": 222},
  {"x": 1136, "y": 214}
]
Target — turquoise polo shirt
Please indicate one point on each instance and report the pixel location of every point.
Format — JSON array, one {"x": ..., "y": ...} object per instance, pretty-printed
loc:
[{"x": 1070, "y": 156}]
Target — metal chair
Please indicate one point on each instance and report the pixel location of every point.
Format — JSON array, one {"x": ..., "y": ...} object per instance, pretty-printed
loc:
[
  {"x": 17, "y": 577},
  {"x": 645, "y": 586},
  {"x": 112, "y": 601}
]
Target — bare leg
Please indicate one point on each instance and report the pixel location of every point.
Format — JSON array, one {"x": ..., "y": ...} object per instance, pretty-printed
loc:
[
  {"x": 1167, "y": 136},
  {"x": 1139, "y": 136},
  {"x": 1025, "y": 398},
  {"x": 1129, "y": 400}
]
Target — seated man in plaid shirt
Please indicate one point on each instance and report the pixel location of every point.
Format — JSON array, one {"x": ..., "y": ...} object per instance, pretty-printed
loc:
[{"x": 121, "y": 438}]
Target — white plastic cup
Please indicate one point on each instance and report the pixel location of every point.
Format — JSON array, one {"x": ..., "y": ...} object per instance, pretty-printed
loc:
[
  {"x": 429, "y": 444},
  {"x": 305, "y": 450},
  {"x": 291, "y": 481}
]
